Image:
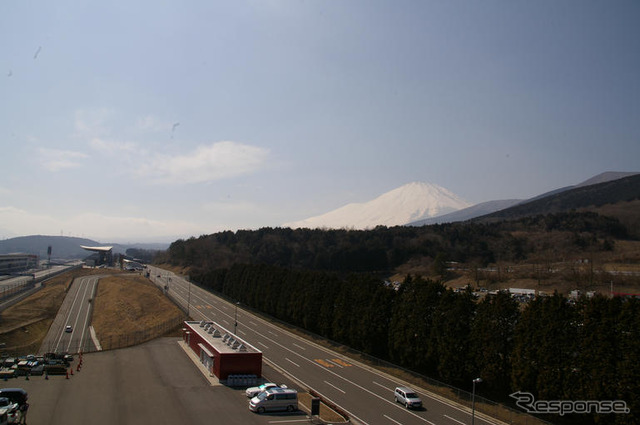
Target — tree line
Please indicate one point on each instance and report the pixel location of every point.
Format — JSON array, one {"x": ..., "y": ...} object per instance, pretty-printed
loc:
[
  {"x": 551, "y": 347},
  {"x": 383, "y": 249}
]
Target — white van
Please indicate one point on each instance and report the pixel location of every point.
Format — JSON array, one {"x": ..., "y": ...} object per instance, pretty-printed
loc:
[{"x": 275, "y": 399}]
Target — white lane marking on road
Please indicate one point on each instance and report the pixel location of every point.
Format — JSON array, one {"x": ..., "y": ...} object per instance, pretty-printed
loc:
[
  {"x": 291, "y": 361},
  {"x": 455, "y": 420},
  {"x": 332, "y": 362},
  {"x": 265, "y": 346},
  {"x": 299, "y": 346},
  {"x": 392, "y": 420},
  {"x": 383, "y": 386},
  {"x": 331, "y": 385},
  {"x": 94, "y": 338}
]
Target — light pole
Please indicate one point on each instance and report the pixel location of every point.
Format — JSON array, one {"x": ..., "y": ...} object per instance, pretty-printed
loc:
[
  {"x": 473, "y": 400},
  {"x": 235, "y": 323}
]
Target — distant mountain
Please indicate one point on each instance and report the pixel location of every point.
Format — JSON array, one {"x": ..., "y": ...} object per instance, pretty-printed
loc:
[
  {"x": 411, "y": 202},
  {"x": 490, "y": 207},
  {"x": 600, "y": 178},
  {"x": 580, "y": 196},
  {"x": 606, "y": 177},
  {"x": 63, "y": 247},
  {"x": 465, "y": 214}
]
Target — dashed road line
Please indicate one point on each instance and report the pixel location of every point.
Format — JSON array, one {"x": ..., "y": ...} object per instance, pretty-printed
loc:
[{"x": 331, "y": 385}]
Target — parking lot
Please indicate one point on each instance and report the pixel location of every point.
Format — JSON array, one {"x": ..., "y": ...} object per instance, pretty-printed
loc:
[{"x": 153, "y": 383}]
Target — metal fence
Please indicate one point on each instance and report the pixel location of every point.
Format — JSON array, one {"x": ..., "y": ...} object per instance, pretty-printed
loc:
[
  {"x": 86, "y": 345},
  {"x": 138, "y": 337}
]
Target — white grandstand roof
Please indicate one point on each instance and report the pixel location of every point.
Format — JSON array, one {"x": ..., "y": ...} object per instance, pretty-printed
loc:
[{"x": 97, "y": 248}]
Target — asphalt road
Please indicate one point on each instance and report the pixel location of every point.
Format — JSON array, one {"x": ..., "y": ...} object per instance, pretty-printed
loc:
[
  {"x": 75, "y": 311},
  {"x": 366, "y": 394},
  {"x": 150, "y": 384}
]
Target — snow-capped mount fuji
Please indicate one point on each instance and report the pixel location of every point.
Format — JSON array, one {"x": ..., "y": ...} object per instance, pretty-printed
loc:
[{"x": 406, "y": 204}]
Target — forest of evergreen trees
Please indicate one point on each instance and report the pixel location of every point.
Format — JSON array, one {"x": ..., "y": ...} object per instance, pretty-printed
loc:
[{"x": 330, "y": 282}]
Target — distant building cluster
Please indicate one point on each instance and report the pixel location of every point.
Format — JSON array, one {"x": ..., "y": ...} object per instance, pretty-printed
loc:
[{"x": 17, "y": 263}]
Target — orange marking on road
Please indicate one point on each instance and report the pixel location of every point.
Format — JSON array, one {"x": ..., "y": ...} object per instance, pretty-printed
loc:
[
  {"x": 341, "y": 362},
  {"x": 323, "y": 363}
]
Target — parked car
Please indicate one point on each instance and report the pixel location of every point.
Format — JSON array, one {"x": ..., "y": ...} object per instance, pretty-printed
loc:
[
  {"x": 408, "y": 397},
  {"x": 56, "y": 369},
  {"x": 38, "y": 369},
  {"x": 275, "y": 399},
  {"x": 9, "y": 361},
  {"x": 254, "y": 391}
]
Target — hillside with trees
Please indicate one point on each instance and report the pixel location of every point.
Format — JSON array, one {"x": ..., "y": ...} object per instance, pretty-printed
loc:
[
  {"x": 549, "y": 251},
  {"x": 591, "y": 196}
]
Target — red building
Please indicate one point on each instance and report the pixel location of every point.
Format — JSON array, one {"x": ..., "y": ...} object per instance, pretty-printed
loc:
[{"x": 222, "y": 352}]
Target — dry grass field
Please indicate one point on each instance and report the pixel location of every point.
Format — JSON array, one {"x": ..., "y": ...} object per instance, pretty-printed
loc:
[
  {"x": 125, "y": 303},
  {"x": 129, "y": 303}
]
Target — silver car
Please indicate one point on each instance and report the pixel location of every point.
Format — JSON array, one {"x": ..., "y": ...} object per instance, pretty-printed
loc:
[{"x": 408, "y": 397}]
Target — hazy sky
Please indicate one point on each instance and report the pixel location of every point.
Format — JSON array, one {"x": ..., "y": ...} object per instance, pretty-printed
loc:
[{"x": 153, "y": 120}]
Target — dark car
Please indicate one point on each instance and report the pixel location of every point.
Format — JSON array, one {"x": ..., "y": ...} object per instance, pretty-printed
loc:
[{"x": 15, "y": 395}]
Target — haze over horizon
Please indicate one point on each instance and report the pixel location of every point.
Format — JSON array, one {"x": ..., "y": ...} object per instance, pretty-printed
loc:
[{"x": 149, "y": 122}]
